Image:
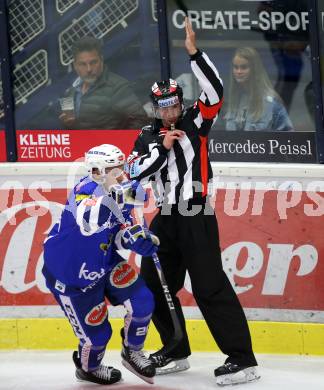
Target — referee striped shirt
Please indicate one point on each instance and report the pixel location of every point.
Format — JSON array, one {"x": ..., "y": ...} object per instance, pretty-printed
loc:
[{"x": 182, "y": 173}]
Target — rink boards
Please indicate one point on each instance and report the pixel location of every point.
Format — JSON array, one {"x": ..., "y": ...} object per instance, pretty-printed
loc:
[{"x": 270, "y": 218}]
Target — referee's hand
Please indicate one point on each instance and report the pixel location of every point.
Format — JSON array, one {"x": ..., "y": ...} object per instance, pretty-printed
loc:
[
  {"x": 190, "y": 41},
  {"x": 172, "y": 136}
]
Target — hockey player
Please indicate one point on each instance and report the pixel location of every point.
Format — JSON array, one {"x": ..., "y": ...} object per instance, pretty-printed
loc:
[
  {"x": 82, "y": 267},
  {"x": 172, "y": 153}
]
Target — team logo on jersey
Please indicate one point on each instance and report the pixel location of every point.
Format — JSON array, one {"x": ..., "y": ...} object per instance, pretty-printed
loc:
[
  {"x": 90, "y": 275},
  {"x": 123, "y": 275},
  {"x": 97, "y": 315}
]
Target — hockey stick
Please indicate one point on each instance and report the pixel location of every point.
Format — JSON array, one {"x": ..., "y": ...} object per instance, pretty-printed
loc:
[{"x": 178, "y": 334}]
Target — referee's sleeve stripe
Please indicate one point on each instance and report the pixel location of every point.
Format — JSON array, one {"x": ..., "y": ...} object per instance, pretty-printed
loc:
[
  {"x": 146, "y": 161},
  {"x": 212, "y": 74},
  {"x": 209, "y": 112},
  {"x": 149, "y": 164},
  {"x": 208, "y": 78}
]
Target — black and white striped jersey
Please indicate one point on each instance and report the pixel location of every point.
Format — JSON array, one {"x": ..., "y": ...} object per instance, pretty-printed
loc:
[{"x": 183, "y": 172}]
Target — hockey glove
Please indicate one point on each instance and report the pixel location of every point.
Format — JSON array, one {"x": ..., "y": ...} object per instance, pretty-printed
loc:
[
  {"x": 140, "y": 240},
  {"x": 128, "y": 193}
]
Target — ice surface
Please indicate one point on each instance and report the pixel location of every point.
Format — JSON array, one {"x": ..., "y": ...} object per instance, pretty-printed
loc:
[{"x": 33, "y": 370}]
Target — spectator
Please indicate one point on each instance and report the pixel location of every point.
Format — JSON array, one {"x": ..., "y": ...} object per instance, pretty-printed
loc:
[
  {"x": 253, "y": 104},
  {"x": 82, "y": 267},
  {"x": 100, "y": 99}
]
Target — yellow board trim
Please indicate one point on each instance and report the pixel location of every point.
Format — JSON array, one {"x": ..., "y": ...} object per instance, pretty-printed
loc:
[{"x": 267, "y": 337}]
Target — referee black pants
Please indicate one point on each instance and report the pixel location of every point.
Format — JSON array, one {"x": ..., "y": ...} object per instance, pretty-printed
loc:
[{"x": 192, "y": 243}]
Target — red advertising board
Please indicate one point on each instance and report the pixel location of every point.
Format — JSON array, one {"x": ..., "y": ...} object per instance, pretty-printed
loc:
[
  {"x": 3, "y": 148},
  {"x": 68, "y": 145},
  {"x": 270, "y": 252}
]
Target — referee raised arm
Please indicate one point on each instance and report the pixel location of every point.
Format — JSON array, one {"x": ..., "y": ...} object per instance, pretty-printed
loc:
[{"x": 172, "y": 153}]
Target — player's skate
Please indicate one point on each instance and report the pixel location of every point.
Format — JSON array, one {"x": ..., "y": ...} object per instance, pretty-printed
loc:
[
  {"x": 138, "y": 363},
  {"x": 167, "y": 364},
  {"x": 103, "y": 375},
  {"x": 233, "y": 374}
]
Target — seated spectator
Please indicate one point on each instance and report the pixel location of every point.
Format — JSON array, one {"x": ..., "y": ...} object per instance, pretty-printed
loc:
[
  {"x": 98, "y": 99},
  {"x": 253, "y": 105}
]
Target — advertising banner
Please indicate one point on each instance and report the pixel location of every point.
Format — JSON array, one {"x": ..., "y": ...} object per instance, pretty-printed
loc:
[
  {"x": 298, "y": 147},
  {"x": 3, "y": 156},
  {"x": 271, "y": 241},
  {"x": 249, "y": 17},
  {"x": 68, "y": 145}
]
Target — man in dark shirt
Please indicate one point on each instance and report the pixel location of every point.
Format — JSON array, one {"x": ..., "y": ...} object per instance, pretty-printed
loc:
[{"x": 100, "y": 99}]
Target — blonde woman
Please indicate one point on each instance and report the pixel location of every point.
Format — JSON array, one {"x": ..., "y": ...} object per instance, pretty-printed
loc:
[{"x": 253, "y": 105}]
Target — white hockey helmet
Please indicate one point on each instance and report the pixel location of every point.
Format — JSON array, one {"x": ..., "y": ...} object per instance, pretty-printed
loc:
[{"x": 98, "y": 158}]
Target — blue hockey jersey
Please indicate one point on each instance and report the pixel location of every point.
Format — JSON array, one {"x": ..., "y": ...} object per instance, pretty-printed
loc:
[{"x": 80, "y": 248}]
